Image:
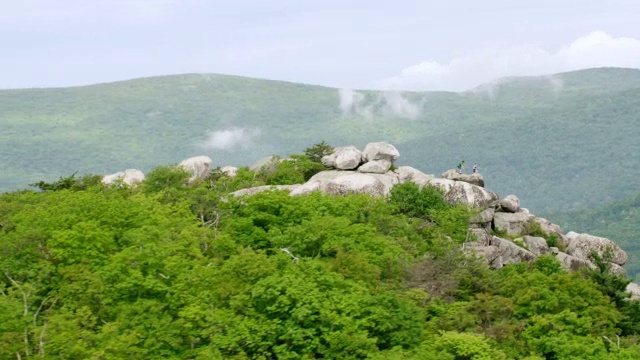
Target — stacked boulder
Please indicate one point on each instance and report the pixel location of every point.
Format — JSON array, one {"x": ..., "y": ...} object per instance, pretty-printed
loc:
[{"x": 197, "y": 166}]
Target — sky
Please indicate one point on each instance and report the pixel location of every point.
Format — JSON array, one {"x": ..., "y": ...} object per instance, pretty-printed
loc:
[{"x": 451, "y": 45}]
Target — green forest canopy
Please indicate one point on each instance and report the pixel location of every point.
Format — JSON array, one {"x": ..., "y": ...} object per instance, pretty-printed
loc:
[{"x": 168, "y": 271}]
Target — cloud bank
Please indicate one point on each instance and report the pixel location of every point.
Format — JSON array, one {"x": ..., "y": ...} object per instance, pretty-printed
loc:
[
  {"x": 597, "y": 49},
  {"x": 230, "y": 139},
  {"x": 385, "y": 104}
]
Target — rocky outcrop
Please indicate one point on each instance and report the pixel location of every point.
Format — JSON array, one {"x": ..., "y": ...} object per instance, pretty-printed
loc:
[
  {"x": 483, "y": 218},
  {"x": 267, "y": 165},
  {"x": 512, "y": 223},
  {"x": 583, "y": 245},
  {"x": 474, "y": 179},
  {"x": 510, "y": 252},
  {"x": 130, "y": 177},
  {"x": 198, "y": 166},
  {"x": 510, "y": 203}
]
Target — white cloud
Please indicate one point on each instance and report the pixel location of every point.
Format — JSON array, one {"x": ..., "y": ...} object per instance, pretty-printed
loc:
[
  {"x": 385, "y": 104},
  {"x": 597, "y": 49},
  {"x": 230, "y": 139}
]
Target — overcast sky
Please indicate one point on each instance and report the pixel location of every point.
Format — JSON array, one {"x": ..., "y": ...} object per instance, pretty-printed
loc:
[{"x": 404, "y": 45}]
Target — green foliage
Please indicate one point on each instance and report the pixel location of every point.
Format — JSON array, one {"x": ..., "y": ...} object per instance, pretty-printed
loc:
[
  {"x": 168, "y": 271},
  {"x": 69, "y": 183},
  {"x": 165, "y": 177},
  {"x": 315, "y": 152}
]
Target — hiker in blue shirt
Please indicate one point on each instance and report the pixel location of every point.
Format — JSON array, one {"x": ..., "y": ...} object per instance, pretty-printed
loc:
[{"x": 475, "y": 168}]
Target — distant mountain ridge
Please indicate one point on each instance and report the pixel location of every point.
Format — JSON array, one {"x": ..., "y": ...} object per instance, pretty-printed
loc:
[{"x": 554, "y": 140}]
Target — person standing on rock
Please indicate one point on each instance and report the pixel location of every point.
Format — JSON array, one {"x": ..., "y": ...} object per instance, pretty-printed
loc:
[
  {"x": 460, "y": 166},
  {"x": 475, "y": 168}
]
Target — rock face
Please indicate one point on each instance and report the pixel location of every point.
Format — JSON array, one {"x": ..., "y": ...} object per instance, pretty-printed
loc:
[
  {"x": 512, "y": 223},
  {"x": 582, "y": 245},
  {"x": 483, "y": 218},
  {"x": 375, "y": 166},
  {"x": 537, "y": 245},
  {"x": 381, "y": 151},
  {"x": 129, "y": 177},
  {"x": 465, "y": 193},
  {"x": 198, "y": 166},
  {"x": 229, "y": 171},
  {"x": 572, "y": 263},
  {"x": 510, "y": 203},
  {"x": 407, "y": 173},
  {"x": 510, "y": 252},
  {"x": 268, "y": 164},
  {"x": 474, "y": 179},
  {"x": 338, "y": 182}
]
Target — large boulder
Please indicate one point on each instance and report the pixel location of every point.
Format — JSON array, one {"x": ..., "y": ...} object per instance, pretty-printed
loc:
[
  {"x": 443, "y": 184},
  {"x": 572, "y": 263},
  {"x": 259, "y": 189},
  {"x": 474, "y": 179},
  {"x": 583, "y": 245},
  {"x": 468, "y": 194},
  {"x": 483, "y": 218},
  {"x": 634, "y": 290},
  {"x": 267, "y": 165},
  {"x": 482, "y": 237},
  {"x": 537, "y": 245},
  {"x": 375, "y": 166},
  {"x": 338, "y": 182},
  {"x": 510, "y": 203},
  {"x": 512, "y": 223},
  {"x": 408, "y": 173},
  {"x": 198, "y": 166},
  {"x": 380, "y": 151},
  {"x": 491, "y": 254},
  {"x": 510, "y": 252},
  {"x": 229, "y": 171},
  {"x": 344, "y": 158},
  {"x": 129, "y": 177}
]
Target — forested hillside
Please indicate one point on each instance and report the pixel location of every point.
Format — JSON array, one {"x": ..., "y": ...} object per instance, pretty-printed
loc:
[
  {"x": 168, "y": 271},
  {"x": 562, "y": 142}
]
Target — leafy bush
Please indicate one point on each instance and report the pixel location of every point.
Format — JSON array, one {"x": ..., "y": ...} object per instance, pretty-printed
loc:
[{"x": 69, "y": 183}]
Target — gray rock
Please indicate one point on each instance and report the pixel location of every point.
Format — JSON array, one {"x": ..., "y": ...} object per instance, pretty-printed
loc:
[
  {"x": 348, "y": 158},
  {"x": 483, "y": 217},
  {"x": 408, "y": 173},
  {"x": 537, "y": 245},
  {"x": 510, "y": 203},
  {"x": 268, "y": 164},
  {"x": 474, "y": 179},
  {"x": 356, "y": 183},
  {"x": 490, "y": 253},
  {"x": 259, "y": 189},
  {"x": 512, "y": 223},
  {"x": 582, "y": 245},
  {"x": 444, "y": 184},
  {"x": 483, "y": 238},
  {"x": 198, "y": 166},
  {"x": 375, "y": 166},
  {"x": 468, "y": 194},
  {"x": 338, "y": 182},
  {"x": 229, "y": 171},
  {"x": 618, "y": 270},
  {"x": 130, "y": 177},
  {"x": 572, "y": 263},
  {"x": 554, "y": 250},
  {"x": 380, "y": 151},
  {"x": 634, "y": 290},
  {"x": 510, "y": 252}
]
